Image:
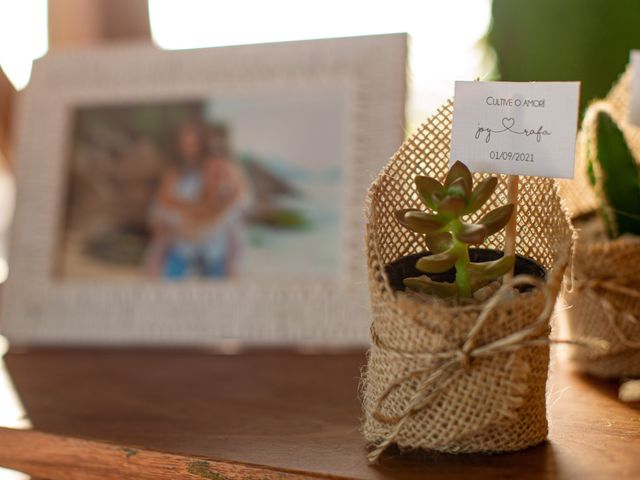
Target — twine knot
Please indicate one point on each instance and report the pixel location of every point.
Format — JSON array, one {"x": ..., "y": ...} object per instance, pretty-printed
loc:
[
  {"x": 434, "y": 378},
  {"x": 464, "y": 358}
]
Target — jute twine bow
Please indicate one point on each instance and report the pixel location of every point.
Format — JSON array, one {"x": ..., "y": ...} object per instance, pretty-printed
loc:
[
  {"x": 459, "y": 361},
  {"x": 590, "y": 287}
]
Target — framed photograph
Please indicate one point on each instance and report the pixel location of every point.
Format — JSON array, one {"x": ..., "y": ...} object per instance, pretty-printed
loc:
[{"x": 203, "y": 197}]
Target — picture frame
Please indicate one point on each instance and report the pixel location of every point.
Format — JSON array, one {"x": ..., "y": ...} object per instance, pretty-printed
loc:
[{"x": 41, "y": 307}]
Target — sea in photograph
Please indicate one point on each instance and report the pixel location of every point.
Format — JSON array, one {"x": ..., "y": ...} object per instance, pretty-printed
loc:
[
  {"x": 311, "y": 245},
  {"x": 292, "y": 148}
]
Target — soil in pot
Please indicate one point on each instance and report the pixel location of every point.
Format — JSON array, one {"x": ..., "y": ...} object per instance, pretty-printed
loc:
[{"x": 405, "y": 267}]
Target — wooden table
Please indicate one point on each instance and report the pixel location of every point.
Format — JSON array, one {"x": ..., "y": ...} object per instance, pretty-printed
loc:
[{"x": 167, "y": 414}]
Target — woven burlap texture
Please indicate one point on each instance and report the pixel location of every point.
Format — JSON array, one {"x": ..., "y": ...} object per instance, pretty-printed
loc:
[
  {"x": 604, "y": 293},
  {"x": 604, "y": 304},
  {"x": 493, "y": 404}
]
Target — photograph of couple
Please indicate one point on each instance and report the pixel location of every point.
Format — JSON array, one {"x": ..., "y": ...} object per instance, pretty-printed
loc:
[
  {"x": 197, "y": 215},
  {"x": 205, "y": 189}
]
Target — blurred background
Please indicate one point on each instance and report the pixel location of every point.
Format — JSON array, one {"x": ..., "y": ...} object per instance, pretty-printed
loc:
[{"x": 586, "y": 40}]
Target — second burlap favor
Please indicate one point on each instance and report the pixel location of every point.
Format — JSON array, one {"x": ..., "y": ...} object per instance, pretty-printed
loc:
[
  {"x": 603, "y": 287},
  {"x": 464, "y": 378},
  {"x": 604, "y": 300}
]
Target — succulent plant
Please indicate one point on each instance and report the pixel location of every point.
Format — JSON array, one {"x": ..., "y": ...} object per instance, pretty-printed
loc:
[
  {"x": 448, "y": 236},
  {"x": 614, "y": 173}
]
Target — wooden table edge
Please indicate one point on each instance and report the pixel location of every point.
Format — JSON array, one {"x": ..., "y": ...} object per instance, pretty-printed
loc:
[{"x": 51, "y": 456}]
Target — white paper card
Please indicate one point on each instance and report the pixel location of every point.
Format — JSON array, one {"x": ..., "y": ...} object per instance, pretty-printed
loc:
[
  {"x": 516, "y": 128},
  {"x": 634, "y": 93}
]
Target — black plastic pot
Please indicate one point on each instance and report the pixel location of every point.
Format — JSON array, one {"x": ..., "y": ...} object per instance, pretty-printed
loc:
[{"x": 405, "y": 267}]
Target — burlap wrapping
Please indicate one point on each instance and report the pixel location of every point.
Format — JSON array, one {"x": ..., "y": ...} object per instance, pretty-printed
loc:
[
  {"x": 604, "y": 294},
  {"x": 604, "y": 304},
  {"x": 486, "y": 403}
]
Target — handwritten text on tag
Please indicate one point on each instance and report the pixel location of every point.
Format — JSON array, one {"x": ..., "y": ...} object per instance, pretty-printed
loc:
[{"x": 516, "y": 128}]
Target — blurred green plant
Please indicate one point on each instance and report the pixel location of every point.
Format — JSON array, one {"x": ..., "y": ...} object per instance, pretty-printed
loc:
[
  {"x": 287, "y": 219},
  {"x": 615, "y": 175},
  {"x": 448, "y": 236},
  {"x": 586, "y": 40}
]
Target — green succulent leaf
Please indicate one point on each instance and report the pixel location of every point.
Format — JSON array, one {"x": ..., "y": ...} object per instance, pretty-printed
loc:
[
  {"x": 496, "y": 219},
  {"x": 472, "y": 233},
  {"x": 459, "y": 189},
  {"x": 438, "y": 263},
  {"x": 459, "y": 171},
  {"x": 438, "y": 196},
  {"x": 399, "y": 214},
  {"x": 451, "y": 206},
  {"x": 481, "y": 194},
  {"x": 429, "y": 190},
  {"x": 491, "y": 270},
  {"x": 424, "y": 284},
  {"x": 439, "y": 242},
  {"x": 420, "y": 222}
]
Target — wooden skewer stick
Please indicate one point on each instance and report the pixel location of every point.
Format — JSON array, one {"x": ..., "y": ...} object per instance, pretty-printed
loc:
[{"x": 510, "y": 231}]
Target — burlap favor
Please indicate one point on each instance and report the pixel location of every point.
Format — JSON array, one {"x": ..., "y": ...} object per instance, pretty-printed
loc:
[
  {"x": 424, "y": 387},
  {"x": 604, "y": 293},
  {"x": 604, "y": 304}
]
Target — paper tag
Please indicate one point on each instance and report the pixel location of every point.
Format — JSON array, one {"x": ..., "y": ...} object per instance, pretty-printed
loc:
[
  {"x": 634, "y": 93},
  {"x": 516, "y": 128}
]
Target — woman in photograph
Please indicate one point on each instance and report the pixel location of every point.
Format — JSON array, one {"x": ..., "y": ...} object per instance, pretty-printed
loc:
[{"x": 197, "y": 218}]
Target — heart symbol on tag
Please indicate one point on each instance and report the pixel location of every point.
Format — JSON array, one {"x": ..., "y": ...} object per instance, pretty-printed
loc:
[{"x": 508, "y": 122}]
